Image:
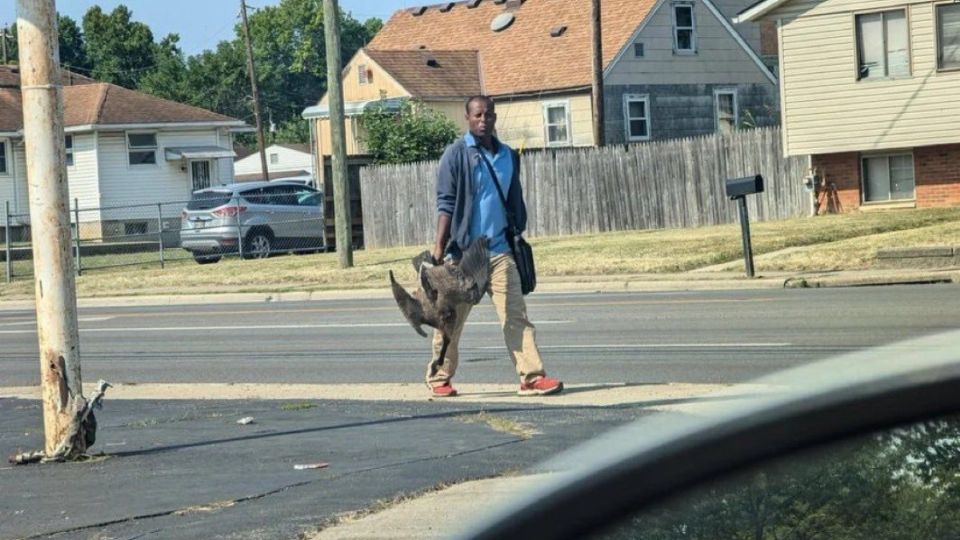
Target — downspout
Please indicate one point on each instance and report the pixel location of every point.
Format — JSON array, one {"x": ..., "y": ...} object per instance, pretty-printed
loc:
[
  {"x": 313, "y": 152},
  {"x": 13, "y": 174}
]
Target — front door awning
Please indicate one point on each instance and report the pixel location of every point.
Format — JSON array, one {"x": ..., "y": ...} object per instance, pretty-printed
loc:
[{"x": 198, "y": 152}]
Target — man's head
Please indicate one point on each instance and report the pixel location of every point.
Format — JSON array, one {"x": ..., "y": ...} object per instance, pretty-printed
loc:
[{"x": 481, "y": 116}]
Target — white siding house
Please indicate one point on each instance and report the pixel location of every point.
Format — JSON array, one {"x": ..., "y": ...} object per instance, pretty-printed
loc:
[
  {"x": 282, "y": 160},
  {"x": 871, "y": 92},
  {"x": 126, "y": 152}
]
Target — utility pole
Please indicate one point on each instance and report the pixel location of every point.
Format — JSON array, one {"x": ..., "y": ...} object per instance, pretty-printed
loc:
[
  {"x": 338, "y": 157},
  {"x": 55, "y": 285},
  {"x": 598, "y": 135},
  {"x": 4, "y": 36},
  {"x": 255, "y": 89}
]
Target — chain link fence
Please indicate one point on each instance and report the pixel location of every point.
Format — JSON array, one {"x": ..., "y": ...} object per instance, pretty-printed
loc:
[{"x": 219, "y": 224}]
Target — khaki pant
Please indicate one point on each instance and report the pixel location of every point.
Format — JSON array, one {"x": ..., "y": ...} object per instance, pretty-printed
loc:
[{"x": 519, "y": 333}]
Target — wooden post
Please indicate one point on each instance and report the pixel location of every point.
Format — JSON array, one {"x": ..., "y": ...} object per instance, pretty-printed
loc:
[
  {"x": 598, "y": 135},
  {"x": 55, "y": 283},
  {"x": 338, "y": 157},
  {"x": 255, "y": 89},
  {"x": 4, "y": 36}
]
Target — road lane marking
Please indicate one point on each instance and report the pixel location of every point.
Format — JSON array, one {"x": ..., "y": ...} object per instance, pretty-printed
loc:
[
  {"x": 658, "y": 346},
  {"x": 538, "y": 305},
  {"x": 81, "y": 319},
  {"x": 263, "y": 327}
]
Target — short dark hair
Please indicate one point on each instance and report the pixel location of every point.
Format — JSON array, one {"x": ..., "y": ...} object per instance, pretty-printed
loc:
[{"x": 486, "y": 99}]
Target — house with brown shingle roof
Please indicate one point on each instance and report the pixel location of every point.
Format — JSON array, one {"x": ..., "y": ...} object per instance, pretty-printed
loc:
[
  {"x": 672, "y": 68},
  {"x": 123, "y": 148}
]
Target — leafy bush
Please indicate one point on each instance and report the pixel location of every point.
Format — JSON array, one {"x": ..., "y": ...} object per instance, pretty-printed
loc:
[{"x": 412, "y": 133}]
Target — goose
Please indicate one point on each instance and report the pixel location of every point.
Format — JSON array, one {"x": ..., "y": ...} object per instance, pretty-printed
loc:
[{"x": 443, "y": 288}]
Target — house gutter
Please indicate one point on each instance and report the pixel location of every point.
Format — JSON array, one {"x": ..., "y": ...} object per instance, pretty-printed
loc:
[
  {"x": 539, "y": 93},
  {"x": 758, "y": 10}
]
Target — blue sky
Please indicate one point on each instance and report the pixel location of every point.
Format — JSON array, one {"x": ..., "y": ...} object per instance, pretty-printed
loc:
[{"x": 201, "y": 23}]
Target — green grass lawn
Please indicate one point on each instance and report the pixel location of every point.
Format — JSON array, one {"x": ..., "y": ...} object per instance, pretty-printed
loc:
[{"x": 832, "y": 242}]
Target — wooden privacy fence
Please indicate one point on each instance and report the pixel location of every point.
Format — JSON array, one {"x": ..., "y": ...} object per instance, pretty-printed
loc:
[{"x": 669, "y": 184}]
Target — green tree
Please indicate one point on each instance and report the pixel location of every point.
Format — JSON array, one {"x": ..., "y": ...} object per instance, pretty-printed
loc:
[
  {"x": 217, "y": 81},
  {"x": 121, "y": 50},
  {"x": 372, "y": 26},
  {"x": 73, "y": 53},
  {"x": 290, "y": 53},
  {"x": 413, "y": 133},
  {"x": 73, "y": 47},
  {"x": 168, "y": 77}
]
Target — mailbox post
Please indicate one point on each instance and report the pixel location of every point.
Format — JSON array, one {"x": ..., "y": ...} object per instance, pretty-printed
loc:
[{"x": 737, "y": 190}]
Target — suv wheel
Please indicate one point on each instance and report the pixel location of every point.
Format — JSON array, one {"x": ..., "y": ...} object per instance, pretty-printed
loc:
[{"x": 257, "y": 245}]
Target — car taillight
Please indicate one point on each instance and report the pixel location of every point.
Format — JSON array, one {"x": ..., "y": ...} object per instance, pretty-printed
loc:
[{"x": 229, "y": 211}]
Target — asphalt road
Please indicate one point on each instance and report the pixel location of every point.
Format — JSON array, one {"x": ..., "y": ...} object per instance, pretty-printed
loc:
[{"x": 701, "y": 337}]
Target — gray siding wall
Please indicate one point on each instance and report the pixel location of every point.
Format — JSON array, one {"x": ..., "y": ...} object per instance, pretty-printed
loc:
[{"x": 687, "y": 110}]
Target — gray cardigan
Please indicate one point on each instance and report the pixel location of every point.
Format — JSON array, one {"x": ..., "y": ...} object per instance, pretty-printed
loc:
[{"x": 455, "y": 192}]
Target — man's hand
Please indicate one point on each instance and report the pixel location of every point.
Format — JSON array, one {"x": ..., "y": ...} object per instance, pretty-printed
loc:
[{"x": 443, "y": 234}]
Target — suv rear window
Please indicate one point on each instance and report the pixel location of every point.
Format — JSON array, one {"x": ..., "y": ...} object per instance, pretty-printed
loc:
[{"x": 206, "y": 200}]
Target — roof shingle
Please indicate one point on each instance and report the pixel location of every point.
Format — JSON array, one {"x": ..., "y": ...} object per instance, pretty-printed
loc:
[
  {"x": 87, "y": 102},
  {"x": 524, "y": 57},
  {"x": 432, "y": 74}
]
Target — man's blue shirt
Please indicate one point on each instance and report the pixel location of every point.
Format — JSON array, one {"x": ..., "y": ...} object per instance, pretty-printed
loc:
[{"x": 489, "y": 218}]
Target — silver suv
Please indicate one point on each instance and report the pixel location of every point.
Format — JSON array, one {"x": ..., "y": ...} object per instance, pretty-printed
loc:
[{"x": 253, "y": 219}]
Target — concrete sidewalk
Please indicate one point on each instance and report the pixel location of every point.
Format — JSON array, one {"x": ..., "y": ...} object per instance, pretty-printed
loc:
[
  {"x": 650, "y": 282},
  {"x": 185, "y": 468}
]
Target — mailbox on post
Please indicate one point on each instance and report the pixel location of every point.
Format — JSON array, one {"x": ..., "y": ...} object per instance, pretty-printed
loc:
[
  {"x": 748, "y": 185},
  {"x": 738, "y": 189}
]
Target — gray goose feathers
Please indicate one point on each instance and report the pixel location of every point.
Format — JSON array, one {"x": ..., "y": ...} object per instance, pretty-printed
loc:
[{"x": 443, "y": 288}]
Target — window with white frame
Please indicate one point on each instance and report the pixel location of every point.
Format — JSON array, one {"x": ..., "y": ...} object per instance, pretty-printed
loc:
[
  {"x": 557, "y": 123},
  {"x": 274, "y": 158},
  {"x": 3, "y": 157},
  {"x": 636, "y": 111},
  {"x": 684, "y": 28},
  {"x": 725, "y": 110},
  {"x": 883, "y": 45},
  {"x": 948, "y": 36},
  {"x": 68, "y": 145},
  {"x": 888, "y": 177},
  {"x": 142, "y": 148},
  {"x": 362, "y": 74}
]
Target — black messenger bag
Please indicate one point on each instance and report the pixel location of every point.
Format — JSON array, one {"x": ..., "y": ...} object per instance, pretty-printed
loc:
[{"x": 522, "y": 252}]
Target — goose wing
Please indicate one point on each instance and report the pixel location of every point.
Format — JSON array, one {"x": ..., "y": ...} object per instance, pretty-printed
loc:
[{"x": 412, "y": 309}]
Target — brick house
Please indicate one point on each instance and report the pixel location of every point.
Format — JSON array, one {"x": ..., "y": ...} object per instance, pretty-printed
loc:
[{"x": 874, "y": 98}]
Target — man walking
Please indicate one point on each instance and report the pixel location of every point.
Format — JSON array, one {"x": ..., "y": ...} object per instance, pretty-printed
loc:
[{"x": 470, "y": 206}]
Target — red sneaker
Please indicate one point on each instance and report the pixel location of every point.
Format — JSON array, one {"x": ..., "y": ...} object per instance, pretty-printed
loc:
[
  {"x": 540, "y": 386},
  {"x": 443, "y": 390}
]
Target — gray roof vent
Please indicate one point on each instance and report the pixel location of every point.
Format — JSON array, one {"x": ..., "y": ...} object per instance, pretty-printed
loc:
[
  {"x": 418, "y": 11},
  {"x": 501, "y": 22},
  {"x": 557, "y": 31},
  {"x": 473, "y": 3},
  {"x": 514, "y": 4},
  {"x": 446, "y": 7},
  {"x": 499, "y": 1}
]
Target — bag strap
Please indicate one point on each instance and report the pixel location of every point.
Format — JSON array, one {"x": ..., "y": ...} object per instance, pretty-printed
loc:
[{"x": 496, "y": 183}]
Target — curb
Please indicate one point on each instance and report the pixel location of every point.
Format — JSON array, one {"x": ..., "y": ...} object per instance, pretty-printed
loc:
[{"x": 569, "y": 284}]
